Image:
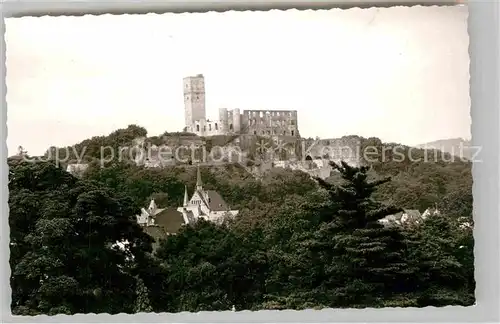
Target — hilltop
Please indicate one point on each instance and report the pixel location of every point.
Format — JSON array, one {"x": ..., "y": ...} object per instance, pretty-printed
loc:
[
  {"x": 454, "y": 146},
  {"x": 421, "y": 178},
  {"x": 126, "y": 143}
]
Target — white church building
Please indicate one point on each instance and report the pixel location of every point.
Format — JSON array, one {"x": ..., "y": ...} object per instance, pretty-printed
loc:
[{"x": 204, "y": 204}]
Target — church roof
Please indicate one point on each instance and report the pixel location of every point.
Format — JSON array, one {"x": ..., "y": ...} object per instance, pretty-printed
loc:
[
  {"x": 212, "y": 200},
  {"x": 215, "y": 201}
]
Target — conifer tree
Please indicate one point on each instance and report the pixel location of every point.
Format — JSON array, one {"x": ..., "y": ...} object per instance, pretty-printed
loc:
[
  {"x": 142, "y": 303},
  {"x": 443, "y": 261},
  {"x": 364, "y": 260}
]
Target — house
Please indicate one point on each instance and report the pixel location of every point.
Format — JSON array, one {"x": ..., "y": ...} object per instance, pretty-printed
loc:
[
  {"x": 147, "y": 216},
  {"x": 204, "y": 204},
  {"x": 465, "y": 223},
  {"x": 430, "y": 212},
  {"x": 77, "y": 169},
  {"x": 159, "y": 222},
  {"x": 406, "y": 217}
]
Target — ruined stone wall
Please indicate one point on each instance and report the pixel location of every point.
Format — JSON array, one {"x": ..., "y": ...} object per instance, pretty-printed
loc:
[
  {"x": 172, "y": 150},
  {"x": 346, "y": 148},
  {"x": 205, "y": 127},
  {"x": 315, "y": 168},
  {"x": 270, "y": 122},
  {"x": 241, "y": 148},
  {"x": 253, "y": 122}
]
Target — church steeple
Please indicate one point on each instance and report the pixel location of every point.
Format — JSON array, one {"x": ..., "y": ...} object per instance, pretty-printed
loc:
[
  {"x": 199, "y": 184},
  {"x": 186, "y": 199},
  {"x": 152, "y": 207}
]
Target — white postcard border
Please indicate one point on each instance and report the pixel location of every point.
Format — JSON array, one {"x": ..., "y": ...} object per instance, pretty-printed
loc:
[{"x": 485, "y": 88}]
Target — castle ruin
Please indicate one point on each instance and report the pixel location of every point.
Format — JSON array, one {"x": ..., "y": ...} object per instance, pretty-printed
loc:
[
  {"x": 254, "y": 139},
  {"x": 233, "y": 121}
]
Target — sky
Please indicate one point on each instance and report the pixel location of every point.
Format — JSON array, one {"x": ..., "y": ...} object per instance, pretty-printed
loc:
[{"x": 400, "y": 74}]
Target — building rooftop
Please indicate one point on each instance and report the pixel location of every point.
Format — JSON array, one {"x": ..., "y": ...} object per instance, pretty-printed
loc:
[{"x": 215, "y": 201}]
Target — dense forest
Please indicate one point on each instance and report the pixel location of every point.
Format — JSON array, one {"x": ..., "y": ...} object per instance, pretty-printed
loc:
[{"x": 297, "y": 242}]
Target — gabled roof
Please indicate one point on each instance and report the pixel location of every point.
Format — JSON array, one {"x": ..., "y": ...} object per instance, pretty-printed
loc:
[
  {"x": 212, "y": 200},
  {"x": 216, "y": 202}
]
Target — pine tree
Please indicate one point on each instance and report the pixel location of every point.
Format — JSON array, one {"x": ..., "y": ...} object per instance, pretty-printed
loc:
[
  {"x": 443, "y": 259},
  {"x": 142, "y": 304},
  {"x": 364, "y": 261}
]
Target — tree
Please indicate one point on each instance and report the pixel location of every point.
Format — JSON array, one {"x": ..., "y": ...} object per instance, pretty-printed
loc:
[
  {"x": 142, "y": 304},
  {"x": 161, "y": 199},
  {"x": 64, "y": 256},
  {"x": 212, "y": 267},
  {"x": 99, "y": 147},
  {"x": 458, "y": 202},
  {"x": 364, "y": 261},
  {"x": 294, "y": 244},
  {"x": 294, "y": 272},
  {"x": 441, "y": 254}
]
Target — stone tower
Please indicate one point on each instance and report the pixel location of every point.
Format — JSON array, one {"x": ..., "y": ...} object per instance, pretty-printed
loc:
[{"x": 194, "y": 99}]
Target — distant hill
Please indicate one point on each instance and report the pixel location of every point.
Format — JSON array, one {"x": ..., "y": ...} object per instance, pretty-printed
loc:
[{"x": 454, "y": 146}]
